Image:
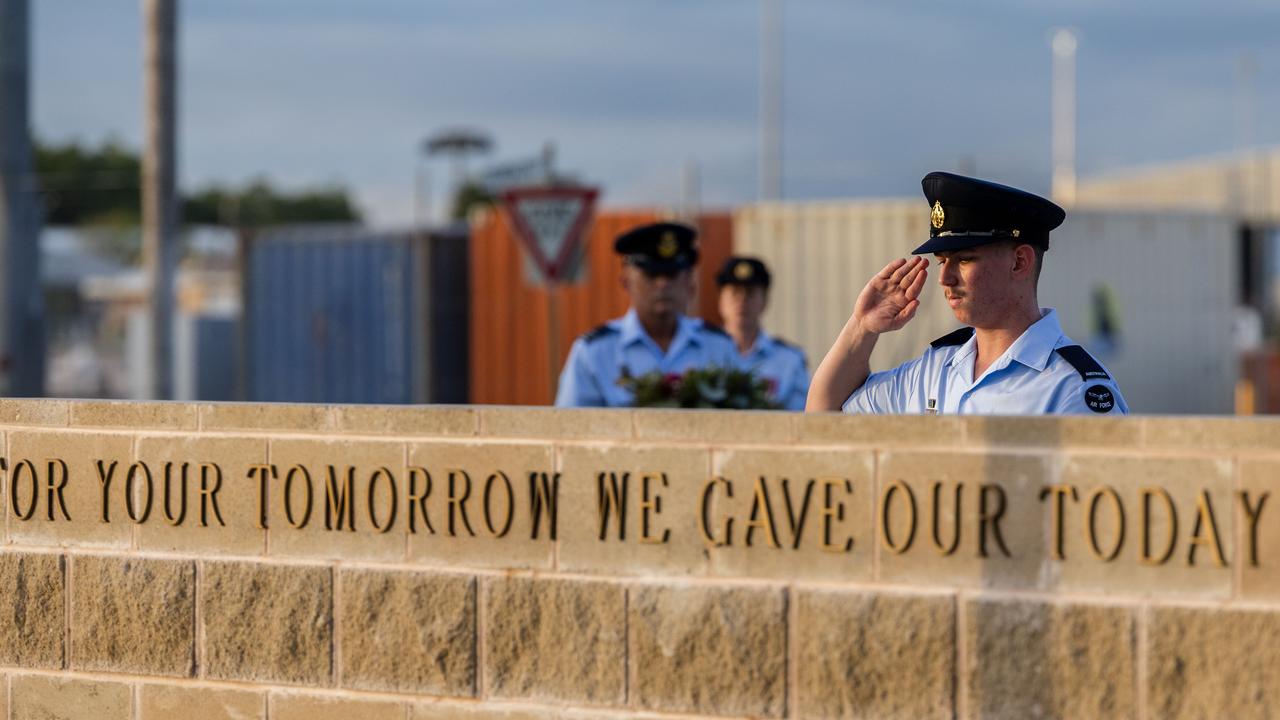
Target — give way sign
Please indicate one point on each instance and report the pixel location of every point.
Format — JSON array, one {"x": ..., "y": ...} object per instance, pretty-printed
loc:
[{"x": 550, "y": 222}]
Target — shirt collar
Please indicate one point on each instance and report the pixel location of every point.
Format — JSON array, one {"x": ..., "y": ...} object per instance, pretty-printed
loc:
[
  {"x": 1033, "y": 348},
  {"x": 633, "y": 331},
  {"x": 763, "y": 340}
]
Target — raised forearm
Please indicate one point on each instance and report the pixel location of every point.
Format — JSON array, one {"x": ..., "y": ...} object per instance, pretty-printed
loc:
[{"x": 844, "y": 369}]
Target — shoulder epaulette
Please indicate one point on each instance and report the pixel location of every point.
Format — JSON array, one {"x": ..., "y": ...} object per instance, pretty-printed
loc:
[
  {"x": 712, "y": 327},
  {"x": 959, "y": 337},
  {"x": 787, "y": 345},
  {"x": 598, "y": 332},
  {"x": 1083, "y": 362}
]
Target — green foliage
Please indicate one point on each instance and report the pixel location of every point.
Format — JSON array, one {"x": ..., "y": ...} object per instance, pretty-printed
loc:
[
  {"x": 713, "y": 387},
  {"x": 470, "y": 194},
  {"x": 87, "y": 186},
  {"x": 259, "y": 204},
  {"x": 102, "y": 186}
]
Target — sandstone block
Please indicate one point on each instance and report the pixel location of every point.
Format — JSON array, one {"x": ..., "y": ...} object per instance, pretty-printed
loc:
[
  {"x": 1210, "y": 662},
  {"x": 715, "y": 651},
  {"x": 484, "y": 504},
  {"x": 204, "y": 499},
  {"x": 1139, "y": 525},
  {"x": 58, "y": 479},
  {"x": 32, "y": 610},
  {"x": 493, "y": 710},
  {"x": 1208, "y": 433},
  {"x": 269, "y": 623},
  {"x": 714, "y": 426},
  {"x": 555, "y": 423},
  {"x": 961, "y": 519},
  {"x": 1053, "y": 432},
  {"x": 1029, "y": 659},
  {"x": 880, "y": 430},
  {"x": 288, "y": 706},
  {"x": 34, "y": 697},
  {"x": 408, "y": 632},
  {"x": 788, "y": 515},
  {"x": 632, "y": 509},
  {"x": 16, "y": 411},
  {"x": 555, "y": 639},
  {"x": 265, "y": 416},
  {"x": 345, "y": 500},
  {"x": 133, "y": 615},
  {"x": 176, "y": 702},
  {"x": 416, "y": 421},
  {"x": 132, "y": 414},
  {"x": 1257, "y": 512},
  {"x": 876, "y": 655}
]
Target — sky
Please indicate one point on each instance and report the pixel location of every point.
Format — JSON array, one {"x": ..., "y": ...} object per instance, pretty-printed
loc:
[{"x": 876, "y": 92}]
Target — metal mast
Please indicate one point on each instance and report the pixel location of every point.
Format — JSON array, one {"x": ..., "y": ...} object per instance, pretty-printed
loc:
[
  {"x": 21, "y": 298},
  {"x": 1064, "y": 117},
  {"x": 159, "y": 191}
]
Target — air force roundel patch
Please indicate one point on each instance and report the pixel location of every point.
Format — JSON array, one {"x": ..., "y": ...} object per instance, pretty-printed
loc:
[{"x": 1099, "y": 398}]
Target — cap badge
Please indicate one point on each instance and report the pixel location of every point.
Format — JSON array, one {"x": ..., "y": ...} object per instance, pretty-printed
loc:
[
  {"x": 938, "y": 217},
  {"x": 742, "y": 271},
  {"x": 667, "y": 246}
]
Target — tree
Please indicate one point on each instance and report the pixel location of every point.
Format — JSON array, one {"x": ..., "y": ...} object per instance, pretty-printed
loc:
[
  {"x": 87, "y": 186},
  {"x": 259, "y": 204}
]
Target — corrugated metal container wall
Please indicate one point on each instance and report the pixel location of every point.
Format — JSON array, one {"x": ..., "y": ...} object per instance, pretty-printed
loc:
[
  {"x": 1173, "y": 280},
  {"x": 510, "y": 356},
  {"x": 821, "y": 254},
  {"x": 1170, "y": 276},
  {"x": 344, "y": 315}
]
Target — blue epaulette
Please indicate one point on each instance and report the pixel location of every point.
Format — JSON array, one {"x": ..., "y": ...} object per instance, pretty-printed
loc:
[
  {"x": 713, "y": 328},
  {"x": 1083, "y": 362},
  {"x": 959, "y": 337},
  {"x": 598, "y": 332}
]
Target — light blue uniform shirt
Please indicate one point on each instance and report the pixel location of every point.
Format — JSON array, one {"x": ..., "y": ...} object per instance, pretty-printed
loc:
[
  {"x": 1030, "y": 378},
  {"x": 783, "y": 365},
  {"x": 590, "y": 375}
]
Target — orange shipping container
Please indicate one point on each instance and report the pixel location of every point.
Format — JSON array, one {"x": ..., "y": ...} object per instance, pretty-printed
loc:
[{"x": 511, "y": 350}]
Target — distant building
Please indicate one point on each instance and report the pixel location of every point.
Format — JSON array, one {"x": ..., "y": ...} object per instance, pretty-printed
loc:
[{"x": 1244, "y": 185}]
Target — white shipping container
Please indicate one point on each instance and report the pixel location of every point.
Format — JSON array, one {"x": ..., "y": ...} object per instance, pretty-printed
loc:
[{"x": 1170, "y": 279}]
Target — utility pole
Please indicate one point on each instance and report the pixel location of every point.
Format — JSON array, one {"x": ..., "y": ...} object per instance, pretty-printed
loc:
[
  {"x": 159, "y": 192},
  {"x": 770, "y": 100},
  {"x": 21, "y": 298},
  {"x": 1064, "y": 117}
]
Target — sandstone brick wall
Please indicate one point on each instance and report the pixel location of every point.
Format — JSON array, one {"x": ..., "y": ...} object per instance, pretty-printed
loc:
[{"x": 249, "y": 561}]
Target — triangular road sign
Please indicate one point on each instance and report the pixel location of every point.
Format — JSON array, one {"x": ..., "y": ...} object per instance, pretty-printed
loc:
[{"x": 550, "y": 221}]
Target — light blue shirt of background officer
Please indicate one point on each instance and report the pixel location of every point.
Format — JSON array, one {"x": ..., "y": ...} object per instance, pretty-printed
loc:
[
  {"x": 655, "y": 334},
  {"x": 744, "y": 294},
  {"x": 1012, "y": 357}
]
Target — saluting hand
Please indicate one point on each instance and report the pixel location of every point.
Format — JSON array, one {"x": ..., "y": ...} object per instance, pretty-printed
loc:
[{"x": 890, "y": 299}]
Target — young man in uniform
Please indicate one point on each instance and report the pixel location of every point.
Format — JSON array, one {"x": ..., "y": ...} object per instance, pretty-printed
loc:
[
  {"x": 655, "y": 334},
  {"x": 1012, "y": 357},
  {"x": 744, "y": 294}
]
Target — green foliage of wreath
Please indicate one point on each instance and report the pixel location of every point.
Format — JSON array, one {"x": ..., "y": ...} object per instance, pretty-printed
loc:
[{"x": 710, "y": 387}]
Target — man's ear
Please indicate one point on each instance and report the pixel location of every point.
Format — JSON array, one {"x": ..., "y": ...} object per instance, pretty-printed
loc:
[{"x": 1024, "y": 260}]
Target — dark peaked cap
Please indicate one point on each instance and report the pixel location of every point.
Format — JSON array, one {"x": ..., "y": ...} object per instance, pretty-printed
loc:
[
  {"x": 965, "y": 212},
  {"x": 743, "y": 270},
  {"x": 663, "y": 247}
]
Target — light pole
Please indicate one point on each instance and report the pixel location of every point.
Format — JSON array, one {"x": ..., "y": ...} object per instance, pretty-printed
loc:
[
  {"x": 457, "y": 144},
  {"x": 1064, "y": 117}
]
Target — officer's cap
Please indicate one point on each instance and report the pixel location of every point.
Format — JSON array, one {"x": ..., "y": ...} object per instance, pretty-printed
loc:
[
  {"x": 743, "y": 270},
  {"x": 659, "y": 248},
  {"x": 966, "y": 212}
]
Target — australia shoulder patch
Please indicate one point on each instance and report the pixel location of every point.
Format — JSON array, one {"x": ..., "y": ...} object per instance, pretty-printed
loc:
[{"x": 1099, "y": 398}]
